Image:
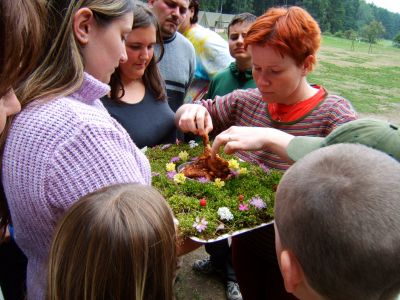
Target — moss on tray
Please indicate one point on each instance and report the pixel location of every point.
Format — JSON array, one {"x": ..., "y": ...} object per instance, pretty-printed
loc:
[{"x": 195, "y": 202}]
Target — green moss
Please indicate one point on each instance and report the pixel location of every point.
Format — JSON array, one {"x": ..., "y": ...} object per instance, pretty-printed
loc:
[{"x": 184, "y": 198}]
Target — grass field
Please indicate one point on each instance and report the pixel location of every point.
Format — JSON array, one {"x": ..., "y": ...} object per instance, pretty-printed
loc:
[{"x": 371, "y": 81}]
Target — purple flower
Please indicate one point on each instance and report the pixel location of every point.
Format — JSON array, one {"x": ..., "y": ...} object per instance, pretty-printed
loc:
[
  {"x": 234, "y": 173},
  {"x": 166, "y": 146},
  {"x": 155, "y": 174},
  {"x": 265, "y": 168},
  {"x": 202, "y": 179},
  {"x": 243, "y": 207},
  {"x": 171, "y": 174},
  {"x": 175, "y": 159},
  {"x": 200, "y": 225},
  {"x": 257, "y": 202}
]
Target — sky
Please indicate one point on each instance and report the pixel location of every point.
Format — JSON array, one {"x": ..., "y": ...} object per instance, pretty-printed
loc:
[{"x": 390, "y": 5}]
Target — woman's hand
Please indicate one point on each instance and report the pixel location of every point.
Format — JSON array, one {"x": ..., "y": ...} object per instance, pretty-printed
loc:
[
  {"x": 251, "y": 139},
  {"x": 193, "y": 118}
]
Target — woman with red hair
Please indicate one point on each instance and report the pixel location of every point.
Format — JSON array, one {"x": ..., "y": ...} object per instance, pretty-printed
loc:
[{"x": 283, "y": 43}]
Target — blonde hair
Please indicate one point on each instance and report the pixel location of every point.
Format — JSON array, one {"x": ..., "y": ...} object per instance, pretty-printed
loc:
[
  {"x": 116, "y": 243},
  {"x": 61, "y": 70}
]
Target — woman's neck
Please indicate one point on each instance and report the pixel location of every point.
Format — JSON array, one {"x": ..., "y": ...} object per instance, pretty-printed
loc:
[
  {"x": 303, "y": 92},
  {"x": 134, "y": 90}
]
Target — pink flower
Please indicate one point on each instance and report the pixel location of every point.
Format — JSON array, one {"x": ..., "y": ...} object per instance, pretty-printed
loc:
[
  {"x": 202, "y": 179},
  {"x": 257, "y": 202},
  {"x": 171, "y": 174},
  {"x": 200, "y": 225},
  {"x": 243, "y": 207},
  {"x": 174, "y": 159}
]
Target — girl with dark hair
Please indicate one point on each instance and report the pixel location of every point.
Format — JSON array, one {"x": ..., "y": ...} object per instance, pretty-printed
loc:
[{"x": 138, "y": 98}]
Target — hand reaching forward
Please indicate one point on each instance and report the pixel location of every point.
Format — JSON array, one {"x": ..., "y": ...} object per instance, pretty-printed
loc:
[
  {"x": 193, "y": 118},
  {"x": 251, "y": 139}
]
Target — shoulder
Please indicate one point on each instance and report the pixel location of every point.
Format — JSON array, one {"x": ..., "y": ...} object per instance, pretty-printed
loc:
[
  {"x": 338, "y": 103},
  {"x": 183, "y": 42}
]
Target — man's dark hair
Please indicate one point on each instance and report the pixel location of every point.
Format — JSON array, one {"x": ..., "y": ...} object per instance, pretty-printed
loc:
[
  {"x": 242, "y": 18},
  {"x": 196, "y": 6}
]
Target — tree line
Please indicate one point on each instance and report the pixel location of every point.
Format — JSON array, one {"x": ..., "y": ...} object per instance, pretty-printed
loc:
[{"x": 333, "y": 16}]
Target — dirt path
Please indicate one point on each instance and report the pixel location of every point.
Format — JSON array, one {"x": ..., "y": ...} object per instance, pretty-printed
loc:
[{"x": 194, "y": 286}]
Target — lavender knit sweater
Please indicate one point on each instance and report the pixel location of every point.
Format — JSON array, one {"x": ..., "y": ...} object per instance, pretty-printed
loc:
[{"x": 57, "y": 152}]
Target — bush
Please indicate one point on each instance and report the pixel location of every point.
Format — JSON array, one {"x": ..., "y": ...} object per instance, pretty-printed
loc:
[
  {"x": 396, "y": 41},
  {"x": 339, "y": 34}
]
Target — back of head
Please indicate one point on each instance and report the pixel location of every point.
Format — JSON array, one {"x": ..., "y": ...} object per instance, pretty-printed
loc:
[
  {"x": 22, "y": 25},
  {"x": 61, "y": 69},
  {"x": 246, "y": 18},
  {"x": 338, "y": 210},
  {"x": 290, "y": 31},
  {"x": 117, "y": 243}
]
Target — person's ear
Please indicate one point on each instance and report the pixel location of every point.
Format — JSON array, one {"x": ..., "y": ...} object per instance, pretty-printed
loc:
[
  {"x": 83, "y": 22},
  {"x": 150, "y": 2},
  {"x": 307, "y": 65},
  {"x": 291, "y": 270}
]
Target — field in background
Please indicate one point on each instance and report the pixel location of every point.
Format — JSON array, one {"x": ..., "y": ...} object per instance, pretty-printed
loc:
[{"x": 371, "y": 81}]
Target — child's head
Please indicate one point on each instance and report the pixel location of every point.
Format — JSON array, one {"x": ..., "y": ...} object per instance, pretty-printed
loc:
[
  {"x": 116, "y": 243},
  {"x": 237, "y": 30},
  {"x": 141, "y": 62},
  {"x": 289, "y": 31},
  {"x": 86, "y": 35},
  {"x": 337, "y": 224}
]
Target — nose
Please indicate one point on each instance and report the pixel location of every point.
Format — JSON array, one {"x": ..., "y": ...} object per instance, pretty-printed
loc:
[
  {"x": 145, "y": 53},
  {"x": 240, "y": 39},
  {"x": 262, "y": 81},
  {"x": 124, "y": 55}
]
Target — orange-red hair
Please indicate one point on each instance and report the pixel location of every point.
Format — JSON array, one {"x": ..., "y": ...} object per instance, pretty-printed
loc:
[{"x": 291, "y": 31}]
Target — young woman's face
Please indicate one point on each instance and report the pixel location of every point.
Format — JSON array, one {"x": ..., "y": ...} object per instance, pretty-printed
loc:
[
  {"x": 140, "y": 50},
  {"x": 237, "y": 33},
  {"x": 9, "y": 105},
  {"x": 105, "y": 48},
  {"x": 277, "y": 77}
]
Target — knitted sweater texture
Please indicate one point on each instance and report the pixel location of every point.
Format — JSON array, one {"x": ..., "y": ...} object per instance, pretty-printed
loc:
[{"x": 56, "y": 152}]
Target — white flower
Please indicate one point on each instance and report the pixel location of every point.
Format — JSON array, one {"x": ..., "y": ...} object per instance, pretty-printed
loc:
[
  {"x": 224, "y": 213},
  {"x": 192, "y": 144}
]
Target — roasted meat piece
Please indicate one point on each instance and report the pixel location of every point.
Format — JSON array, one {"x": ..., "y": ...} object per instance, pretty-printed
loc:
[{"x": 208, "y": 166}]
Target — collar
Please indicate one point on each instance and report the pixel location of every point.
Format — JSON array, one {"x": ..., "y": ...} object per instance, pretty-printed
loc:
[
  {"x": 170, "y": 39},
  {"x": 91, "y": 89},
  {"x": 241, "y": 76}
]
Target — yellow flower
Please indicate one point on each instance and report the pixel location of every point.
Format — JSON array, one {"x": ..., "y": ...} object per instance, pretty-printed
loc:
[
  {"x": 179, "y": 178},
  {"x": 170, "y": 167},
  {"x": 219, "y": 183},
  {"x": 183, "y": 155},
  {"x": 243, "y": 171},
  {"x": 233, "y": 164}
]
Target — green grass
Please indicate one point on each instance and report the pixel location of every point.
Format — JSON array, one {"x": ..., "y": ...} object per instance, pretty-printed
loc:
[{"x": 369, "y": 80}]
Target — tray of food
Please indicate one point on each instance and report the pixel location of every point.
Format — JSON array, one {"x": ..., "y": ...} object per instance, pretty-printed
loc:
[{"x": 212, "y": 197}]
